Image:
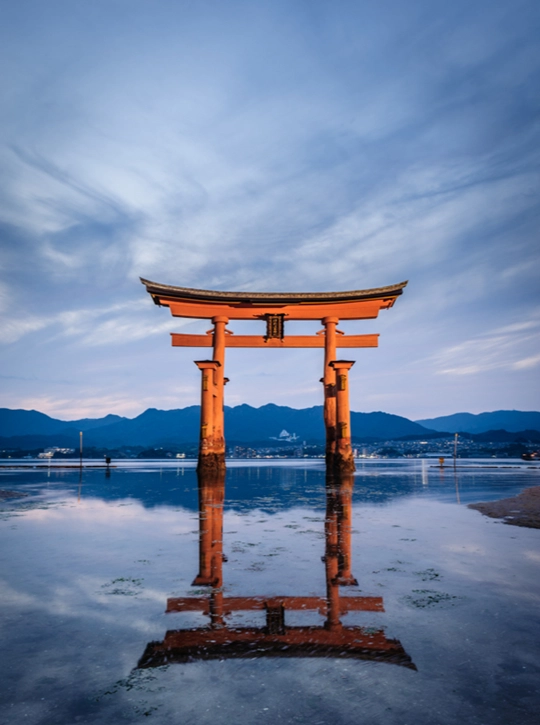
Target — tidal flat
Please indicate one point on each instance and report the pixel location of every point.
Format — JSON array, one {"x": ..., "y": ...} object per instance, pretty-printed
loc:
[{"x": 90, "y": 560}]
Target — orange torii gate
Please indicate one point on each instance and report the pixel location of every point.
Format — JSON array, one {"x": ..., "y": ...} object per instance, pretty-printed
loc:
[{"x": 275, "y": 308}]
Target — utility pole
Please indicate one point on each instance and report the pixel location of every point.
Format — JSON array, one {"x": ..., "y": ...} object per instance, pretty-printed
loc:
[{"x": 80, "y": 448}]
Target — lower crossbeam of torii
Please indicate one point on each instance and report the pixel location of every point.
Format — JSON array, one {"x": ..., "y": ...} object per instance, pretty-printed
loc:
[{"x": 275, "y": 308}]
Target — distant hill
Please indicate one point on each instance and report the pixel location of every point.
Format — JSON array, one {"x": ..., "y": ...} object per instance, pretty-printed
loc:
[
  {"x": 243, "y": 423},
  {"x": 503, "y": 436},
  {"x": 383, "y": 426},
  {"x": 510, "y": 420},
  {"x": 151, "y": 428},
  {"x": 31, "y": 422}
]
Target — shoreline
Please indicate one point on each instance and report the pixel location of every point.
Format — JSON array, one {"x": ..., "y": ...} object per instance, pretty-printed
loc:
[{"x": 520, "y": 510}]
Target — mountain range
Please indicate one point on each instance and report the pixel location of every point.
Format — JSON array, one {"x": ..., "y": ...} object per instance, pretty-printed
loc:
[
  {"x": 244, "y": 424},
  {"x": 510, "y": 420}
]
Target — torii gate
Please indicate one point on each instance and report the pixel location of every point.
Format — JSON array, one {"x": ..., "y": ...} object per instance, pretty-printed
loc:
[{"x": 275, "y": 308}]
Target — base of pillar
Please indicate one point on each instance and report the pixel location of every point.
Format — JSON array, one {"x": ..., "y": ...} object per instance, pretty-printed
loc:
[
  {"x": 340, "y": 463},
  {"x": 211, "y": 463}
]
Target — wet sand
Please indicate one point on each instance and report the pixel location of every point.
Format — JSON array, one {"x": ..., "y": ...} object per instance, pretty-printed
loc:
[
  {"x": 4, "y": 495},
  {"x": 521, "y": 510}
]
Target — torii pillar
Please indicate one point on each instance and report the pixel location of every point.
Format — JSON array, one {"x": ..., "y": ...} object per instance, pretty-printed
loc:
[
  {"x": 329, "y": 383},
  {"x": 220, "y": 380},
  {"x": 212, "y": 439},
  {"x": 342, "y": 458},
  {"x": 209, "y": 460}
]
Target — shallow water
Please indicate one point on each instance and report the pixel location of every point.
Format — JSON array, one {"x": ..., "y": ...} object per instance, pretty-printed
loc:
[{"x": 88, "y": 564}]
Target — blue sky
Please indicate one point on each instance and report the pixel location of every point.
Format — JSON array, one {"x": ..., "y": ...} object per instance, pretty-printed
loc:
[{"x": 269, "y": 146}]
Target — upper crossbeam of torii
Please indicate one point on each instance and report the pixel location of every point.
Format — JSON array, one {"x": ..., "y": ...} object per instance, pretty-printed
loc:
[{"x": 275, "y": 308}]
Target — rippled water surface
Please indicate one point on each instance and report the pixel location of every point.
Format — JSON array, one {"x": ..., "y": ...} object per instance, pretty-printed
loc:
[{"x": 90, "y": 563}]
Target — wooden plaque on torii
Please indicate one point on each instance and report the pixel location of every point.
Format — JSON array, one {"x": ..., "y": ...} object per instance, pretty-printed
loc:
[{"x": 275, "y": 309}]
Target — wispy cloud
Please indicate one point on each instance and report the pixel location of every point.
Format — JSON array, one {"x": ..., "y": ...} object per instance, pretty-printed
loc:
[
  {"x": 527, "y": 362},
  {"x": 504, "y": 348},
  {"x": 112, "y": 326},
  {"x": 13, "y": 329}
]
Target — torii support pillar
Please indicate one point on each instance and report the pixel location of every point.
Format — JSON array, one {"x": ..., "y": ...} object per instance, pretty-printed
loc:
[
  {"x": 211, "y": 456},
  {"x": 329, "y": 383},
  {"x": 219, "y": 333},
  {"x": 343, "y": 459}
]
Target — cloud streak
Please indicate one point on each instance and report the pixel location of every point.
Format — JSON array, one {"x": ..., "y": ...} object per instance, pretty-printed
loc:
[{"x": 505, "y": 348}]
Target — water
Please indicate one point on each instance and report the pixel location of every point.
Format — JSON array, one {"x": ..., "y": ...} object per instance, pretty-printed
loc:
[{"x": 88, "y": 565}]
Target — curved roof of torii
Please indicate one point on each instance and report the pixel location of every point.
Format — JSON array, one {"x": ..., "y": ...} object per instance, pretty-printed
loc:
[{"x": 261, "y": 298}]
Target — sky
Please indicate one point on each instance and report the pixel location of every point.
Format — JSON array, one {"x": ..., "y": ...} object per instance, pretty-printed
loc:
[{"x": 283, "y": 145}]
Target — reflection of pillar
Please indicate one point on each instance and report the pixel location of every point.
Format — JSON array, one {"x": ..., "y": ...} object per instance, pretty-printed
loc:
[
  {"x": 207, "y": 454},
  {"x": 338, "y": 530},
  {"x": 331, "y": 557},
  {"x": 329, "y": 382},
  {"x": 211, "y": 495},
  {"x": 219, "y": 382},
  {"x": 344, "y": 459},
  {"x": 345, "y": 490},
  {"x": 204, "y": 577},
  {"x": 216, "y": 597}
]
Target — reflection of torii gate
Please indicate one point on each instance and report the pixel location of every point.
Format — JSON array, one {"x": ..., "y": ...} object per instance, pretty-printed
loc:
[
  {"x": 275, "y": 308},
  {"x": 276, "y": 638}
]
